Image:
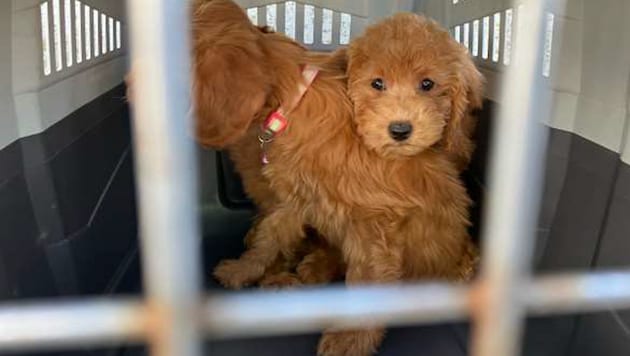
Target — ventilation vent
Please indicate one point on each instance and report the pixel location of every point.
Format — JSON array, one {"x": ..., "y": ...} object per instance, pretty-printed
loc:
[
  {"x": 485, "y": 40},
  {"x": 74, "y": 33},
  {"x": 491, "y": 38},
  {"x": 317, "y": 26},
  {"x": 548, "y": 50},
  {"x": 475, "y": 39},
  {"x": 496, "y": 37}
]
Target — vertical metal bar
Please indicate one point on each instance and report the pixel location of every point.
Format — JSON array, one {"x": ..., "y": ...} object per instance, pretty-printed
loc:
[
  {"x": 514, "y": 194},
  {"x": 166, "y": 173}
]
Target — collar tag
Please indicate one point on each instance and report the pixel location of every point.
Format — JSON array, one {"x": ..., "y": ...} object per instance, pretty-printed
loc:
[{"x": 277, "y": 122}]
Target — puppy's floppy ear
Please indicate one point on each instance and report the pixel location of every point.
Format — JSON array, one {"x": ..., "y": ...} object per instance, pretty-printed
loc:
[
  {"x": 231, "y": 75},
  {"x": 339, "y": 59},
  {"x": 466, "y": 96}
]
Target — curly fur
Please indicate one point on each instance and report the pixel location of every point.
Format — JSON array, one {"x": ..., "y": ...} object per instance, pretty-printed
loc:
[{"x": 391, "y": 210}]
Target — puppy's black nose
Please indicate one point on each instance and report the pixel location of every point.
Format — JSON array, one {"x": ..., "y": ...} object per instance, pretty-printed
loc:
[{"x": 400, "y": 130}]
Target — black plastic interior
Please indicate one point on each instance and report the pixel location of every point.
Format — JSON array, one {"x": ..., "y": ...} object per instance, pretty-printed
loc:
[{"x": 230, "y": 187}]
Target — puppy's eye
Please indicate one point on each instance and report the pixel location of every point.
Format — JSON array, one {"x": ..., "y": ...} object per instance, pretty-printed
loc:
[
  {"x": 427, "y": 85},
  {"x": 378, "y": 84}
]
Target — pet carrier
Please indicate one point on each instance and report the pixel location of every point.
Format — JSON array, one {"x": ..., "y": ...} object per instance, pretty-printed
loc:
[{"x": 81, "y": 273}]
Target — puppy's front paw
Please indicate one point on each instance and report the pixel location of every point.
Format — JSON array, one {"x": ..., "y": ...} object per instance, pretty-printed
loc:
[
  {"x": 350, "y": 343},
  {"x": 280, "y": 281},
  {"x": 236, "y": 274}
]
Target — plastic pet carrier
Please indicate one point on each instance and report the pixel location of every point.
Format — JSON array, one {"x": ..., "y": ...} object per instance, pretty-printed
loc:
[{"x": 110, "y": 219}]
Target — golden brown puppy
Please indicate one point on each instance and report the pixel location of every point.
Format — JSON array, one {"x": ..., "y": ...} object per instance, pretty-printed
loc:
[
  {"x": 241, "y": 73},
  {"x": 371, "y": 156},
  {"x": 225, "y": 45}
]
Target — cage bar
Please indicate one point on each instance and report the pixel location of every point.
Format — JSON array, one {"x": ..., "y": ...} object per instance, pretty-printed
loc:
[
  {"x": 295, "y": 312},
  {"x": 166, "y": 174},
  {"x": 288, "y": 312},
  {"x": 241, "y": 315},
  {"x": 173, "y": 314},
  {"x": 579, "y": 292},
  {"x": 513, "y": 198},
  {"x": 66, "y": 324},
  {"x": 230, "y": 315}
]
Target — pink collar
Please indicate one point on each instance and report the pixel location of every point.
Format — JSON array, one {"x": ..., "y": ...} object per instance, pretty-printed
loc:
[{"x": 277, "y": 121}]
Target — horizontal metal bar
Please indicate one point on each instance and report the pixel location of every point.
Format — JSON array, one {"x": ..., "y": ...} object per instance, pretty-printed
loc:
[
  {"x": 579, "y": 293},
  {"x": 263, "y": 313},
  {"x": 71, "y": 324},
  {"x": 292, "y": 312},
  {"x": 289, "y": 312}
]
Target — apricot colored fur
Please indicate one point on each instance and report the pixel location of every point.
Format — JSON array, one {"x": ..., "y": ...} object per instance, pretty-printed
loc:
[
  {"x": 395, "y": 210},
  {"x": 235, "y": 69},
  {"x": 315, "y": 262}
]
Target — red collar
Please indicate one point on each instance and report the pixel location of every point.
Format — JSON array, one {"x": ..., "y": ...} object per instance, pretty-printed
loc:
[{"x": 277, "y": 121}]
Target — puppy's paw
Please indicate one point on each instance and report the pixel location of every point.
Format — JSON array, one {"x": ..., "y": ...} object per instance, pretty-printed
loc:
[
  {"x": 236, "y": 274},
  {"x": 350, "y": 343},
  {"x": 280, "y": 281},
  {"x": 468, "y": 266}
]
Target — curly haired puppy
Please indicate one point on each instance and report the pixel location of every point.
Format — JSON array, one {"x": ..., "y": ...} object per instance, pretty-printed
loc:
[
  {"x": 370, "y": 158},
  {"x": 234, "y": 66},
  {"x": 241, "y": 74}
]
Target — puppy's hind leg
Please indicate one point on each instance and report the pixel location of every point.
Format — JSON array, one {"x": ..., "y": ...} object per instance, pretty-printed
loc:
[
  {"x": 370, "y": 259},
  {"x": 277, "y": 234},
  {"x": 363, "y": 342},
  {"x": 323, "y": 265}
]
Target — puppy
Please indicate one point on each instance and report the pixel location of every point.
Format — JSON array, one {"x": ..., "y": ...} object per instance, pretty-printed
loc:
[
  {"x": 223, "y": 38},
  {"x": 370, "y": 158},
  {"x": 242, "y": 73}
]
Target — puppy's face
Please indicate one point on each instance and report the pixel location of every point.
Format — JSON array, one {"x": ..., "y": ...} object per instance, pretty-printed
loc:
[
  {"x": 411, "y": 86},
  {"x": 400, "y": 111}
]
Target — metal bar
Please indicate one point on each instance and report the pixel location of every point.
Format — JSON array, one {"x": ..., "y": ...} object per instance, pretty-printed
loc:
[
  {"x": 164, "y": 156},
  {"x": 166, "y": 173},
  {"x": 66, "y": 324},
  {"x": 288, "y": 312},
  {"x": 98, "y": 322},
  {"x": 514, "y": 197},
  {"x": 582, "y": 292}
]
